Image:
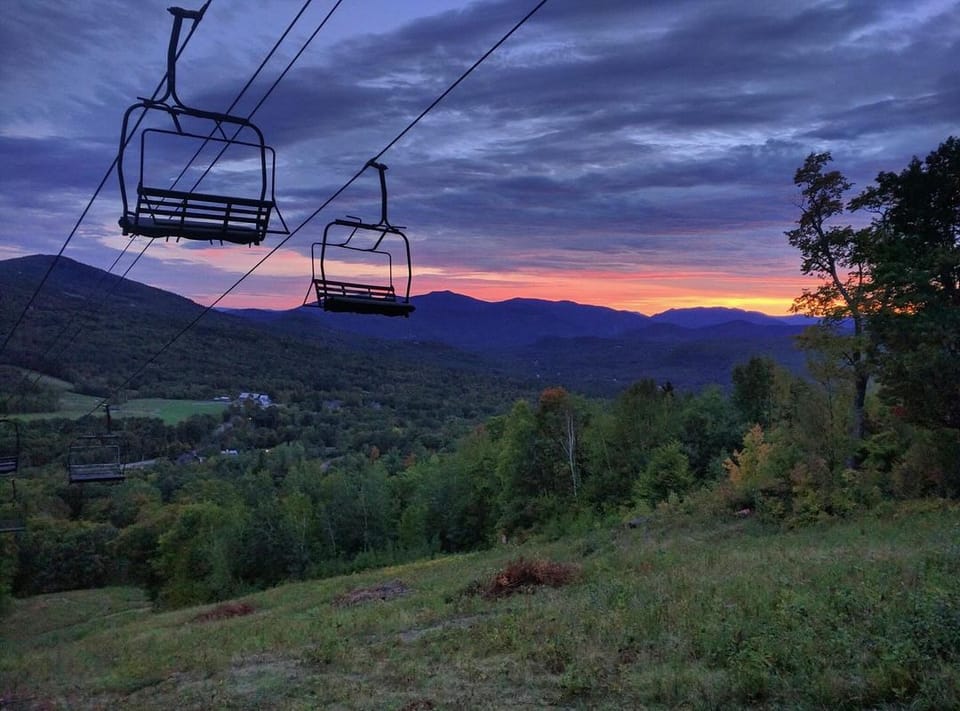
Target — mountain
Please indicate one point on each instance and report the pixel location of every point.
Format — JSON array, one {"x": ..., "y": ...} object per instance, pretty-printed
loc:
[
  {"x": 469, "y": 324},
  {"x": 102, "y": 333},
  {"x": 593, "y": 349},
  {"x": 703, "y": 316},
  {"x": 590, "y": 349}
]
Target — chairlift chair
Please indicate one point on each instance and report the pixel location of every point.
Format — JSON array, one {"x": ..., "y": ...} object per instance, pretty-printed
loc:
[
  {"x": 9, "y": 448},
  {"x": 162, "y": 210},
  {"x": 343, "y": 239},
  {"x": 12, "y": 513},
  {"x": 95, "y": 458}
]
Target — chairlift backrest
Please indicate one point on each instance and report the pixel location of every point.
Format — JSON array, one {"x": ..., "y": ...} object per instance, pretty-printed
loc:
[
  {"x": 95, "y": 458},
  {"x": 240, "y": 215},
  {"x": 343, "y": 240}
]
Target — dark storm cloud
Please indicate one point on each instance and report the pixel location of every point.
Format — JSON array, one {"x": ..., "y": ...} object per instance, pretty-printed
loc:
[{"x": 601, "y": 130}]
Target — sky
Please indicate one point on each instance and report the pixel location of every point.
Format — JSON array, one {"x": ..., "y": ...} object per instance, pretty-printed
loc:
[{"x": 637, "y": 154}]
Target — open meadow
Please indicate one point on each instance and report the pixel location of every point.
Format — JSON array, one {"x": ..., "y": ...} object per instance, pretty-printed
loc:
[{"x": 862, "y": 613}]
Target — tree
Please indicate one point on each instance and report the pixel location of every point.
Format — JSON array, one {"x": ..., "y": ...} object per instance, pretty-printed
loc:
[
  {"x": 753, "y": 390},
  {"x": 835, "y": 254},
  {"x": 914, "y": 257},
  {"x": 667, "y": 472},
  {"x": 518, "y": 470},
  {"x": 559, "y": 424}
]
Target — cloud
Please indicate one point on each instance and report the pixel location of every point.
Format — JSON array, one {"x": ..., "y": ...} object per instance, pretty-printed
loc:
[{"x": 611, "y": 133}]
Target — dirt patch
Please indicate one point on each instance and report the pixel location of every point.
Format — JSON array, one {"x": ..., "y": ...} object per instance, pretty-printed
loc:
[
  {"x": 524, "y": 576},
  {"x": 225, "y": 611},
  {"x": 384, "y": 591},
  {"x": 418, "y": 705}
]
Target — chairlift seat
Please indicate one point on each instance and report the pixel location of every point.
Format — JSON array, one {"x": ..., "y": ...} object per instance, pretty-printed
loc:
[
  {"x": 8, "y": 465},
  {"x": 185, "y": 215},
  {"x": 348, "y": 297},
  {"x": 97, "y": 472},
  {"x": 166, "y": 212},
  {"x": 95, "y": 458},
  {"x": 12, "y": 525}
]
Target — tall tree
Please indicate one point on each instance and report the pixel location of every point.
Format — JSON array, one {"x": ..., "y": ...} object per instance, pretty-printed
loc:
[
  {"x": 835, "y": 254},
  {"x": 559, "y": 425},
  {"x": 915, "y": 261},
  {"x": 753, "y": 390}
]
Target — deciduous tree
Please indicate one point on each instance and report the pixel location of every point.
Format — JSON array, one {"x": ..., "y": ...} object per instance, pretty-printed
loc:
[
  {"x": 834, "y": 253},
  {"x": 914, "y": 257}
]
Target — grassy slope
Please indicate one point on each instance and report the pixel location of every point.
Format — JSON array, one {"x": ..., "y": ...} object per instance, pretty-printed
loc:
[
  {"x": 856, "y": 614},
  {"x": 73, "y": 405}
]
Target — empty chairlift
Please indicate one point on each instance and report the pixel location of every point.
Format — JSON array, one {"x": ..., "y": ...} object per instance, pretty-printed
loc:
[
  {"x": 226, "y": 154},
  {"x": 9, "y": 448},
  {"x": 352, "y": 247},
  {"x": 11, "y": 510},
  {"x": 95, "y": 458}
]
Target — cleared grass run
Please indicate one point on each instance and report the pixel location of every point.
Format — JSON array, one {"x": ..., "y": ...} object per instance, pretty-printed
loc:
[
  {"x": 73, "y": 405},
  {"x": 864, "y": 613}
]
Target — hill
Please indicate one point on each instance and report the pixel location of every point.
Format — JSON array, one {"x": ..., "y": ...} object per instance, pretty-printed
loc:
[
  {"x": 669, "y": 615},
  {"x": 107, "y": 341},
  {"x": 591, "y": 349},
  {"x": 510, "y": 346}
]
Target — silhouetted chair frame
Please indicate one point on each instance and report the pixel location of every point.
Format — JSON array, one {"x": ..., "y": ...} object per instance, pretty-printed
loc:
[
  {"x": 356, "y": 297},
  {"x": 165, "y": 212},
  {"x": 10, "y": 455},
  {"x": 95, "y": 458}
]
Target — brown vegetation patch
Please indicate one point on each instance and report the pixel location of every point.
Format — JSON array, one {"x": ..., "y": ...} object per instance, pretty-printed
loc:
[
  {"x": 523, "y": 575},
  {"x": 418, "y": 705},
  {"x": 385, "y": 591},
  {"x": 224, "y": 611}
]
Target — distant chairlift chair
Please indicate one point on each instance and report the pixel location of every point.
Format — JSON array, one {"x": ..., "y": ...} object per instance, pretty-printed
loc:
[
  {"x": 95, "y": 458},
  {"x": 163, "y": 211},
  {"x": 9, "y": 448},
  {"x": 11, "y": 512},
  {"x": 343, "y": 238}
]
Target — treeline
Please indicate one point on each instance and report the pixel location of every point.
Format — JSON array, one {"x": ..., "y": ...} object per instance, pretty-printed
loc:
[
  {"x": 777, "y": 448},
  {"x": 387, "y": 469}
]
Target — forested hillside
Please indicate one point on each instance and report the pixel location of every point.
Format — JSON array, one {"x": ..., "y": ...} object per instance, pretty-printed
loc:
[
  {"x": 589, "y": 349},
  {"x": 364, "y": 454}
]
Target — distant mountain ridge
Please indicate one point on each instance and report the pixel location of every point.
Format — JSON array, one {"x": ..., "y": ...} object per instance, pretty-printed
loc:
[
  {"x": 592, "y": 349},
  {"x": 595, "y": 349},
  {"x": 474, "y": 325}
]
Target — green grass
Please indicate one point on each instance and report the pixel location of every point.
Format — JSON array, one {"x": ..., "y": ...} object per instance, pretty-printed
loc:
[
  {"x": 73, "y": 405},
  {"x": 864, "y": 613},
  {"x": 170, "y": 411}
]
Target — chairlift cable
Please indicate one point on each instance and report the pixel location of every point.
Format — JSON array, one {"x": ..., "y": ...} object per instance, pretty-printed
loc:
[
  {"x": 110, "y": 290},
  {"x": 236, "y": 100},
  {"x": 327, "y": 202},
  {"x": 249, "y": 83},
  {"x": 66, "y": 327},
  {"x": 96, "y": 193},
  {"x": 72, "y": 322}
]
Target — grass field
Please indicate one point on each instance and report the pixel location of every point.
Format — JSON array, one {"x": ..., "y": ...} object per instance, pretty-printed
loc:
[
  {"x": 170, "y": 411},
  {"x": 74, "y": 405},
  {"x": 860, "y": 614}
]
